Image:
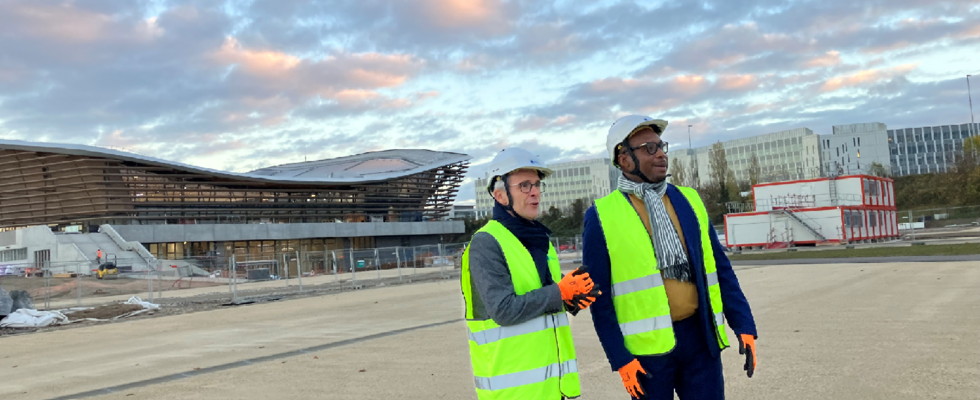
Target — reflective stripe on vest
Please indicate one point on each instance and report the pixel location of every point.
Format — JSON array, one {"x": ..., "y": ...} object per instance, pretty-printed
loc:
[
  {"x": 639, "y": 298},
  {"x": 526, "y": 377},
  {"x": 500, "y": 333},
  {"x": 531, "y": 360}
]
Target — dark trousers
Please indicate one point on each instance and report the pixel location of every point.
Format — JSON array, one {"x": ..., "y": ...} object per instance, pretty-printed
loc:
[{"x": 689, "y": 369}]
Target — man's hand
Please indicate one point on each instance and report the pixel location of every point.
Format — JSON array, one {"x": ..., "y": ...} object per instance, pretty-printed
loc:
[
  {"x": 746, "y": 345},
  {"x": 629, "y": 374},
  {"x": 584, "y": 300},
  {"x": 577, "y": 282}
]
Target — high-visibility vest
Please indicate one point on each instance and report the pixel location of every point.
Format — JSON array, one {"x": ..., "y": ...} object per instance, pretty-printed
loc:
[
  {"x": 530, "y": 360},
  {"x": 638, "y": 291}
]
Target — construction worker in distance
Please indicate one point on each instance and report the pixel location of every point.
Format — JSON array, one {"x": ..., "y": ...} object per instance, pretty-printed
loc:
[
  {"x": 98, "y": 257},
  {"x": 515, "y": 297},
  {"x": 673, "y": 288}
]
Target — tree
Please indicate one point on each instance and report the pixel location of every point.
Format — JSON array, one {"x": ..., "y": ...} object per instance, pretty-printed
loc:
[
  {"x": 731, "y": 186},
  {"x": 971, "y": 155},
  {"x": 677, "y": 174},
  {"x": 755, "y": 171},
  {"x": 719, "y": 170},
  {"x": 878, "y": 170}
]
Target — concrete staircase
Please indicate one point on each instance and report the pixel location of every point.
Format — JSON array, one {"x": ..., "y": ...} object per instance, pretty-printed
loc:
[{"x": 89, "y": 244}]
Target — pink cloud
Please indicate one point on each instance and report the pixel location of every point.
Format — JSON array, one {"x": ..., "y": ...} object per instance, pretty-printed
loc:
[
  {"x": 736, "y": 82},
  {"x": 274, "y": 82},
  {"x": 487, "y": 14},
  {"x": 420, "y": 96},
  {"x": 828, "y": 59},
  {"x": 62, "y": 22},
  {"x": 865, "y": 77}
]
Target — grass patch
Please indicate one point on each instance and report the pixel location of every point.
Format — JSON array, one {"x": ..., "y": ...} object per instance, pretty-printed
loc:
[{"x": 927, "y": 250}]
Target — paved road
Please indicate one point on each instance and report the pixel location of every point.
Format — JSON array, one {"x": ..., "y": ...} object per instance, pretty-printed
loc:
[
  {"x": 862, "y": 260},
  {"x": 852, "y": 331}
]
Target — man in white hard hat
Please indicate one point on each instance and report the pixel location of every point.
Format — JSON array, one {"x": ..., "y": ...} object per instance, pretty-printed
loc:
[
  {"x": 515, "y": 297},
  {"x": 673, "y": 288}
]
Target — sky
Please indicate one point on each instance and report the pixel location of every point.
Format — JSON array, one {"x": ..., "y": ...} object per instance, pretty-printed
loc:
[{"x": 239, "y": 85}]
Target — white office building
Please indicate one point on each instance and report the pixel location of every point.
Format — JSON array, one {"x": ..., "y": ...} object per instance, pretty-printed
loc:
[
  {"x": 784, "y": 155},
  {"x": 852, "y": 149},
  {"x": 586, "y": 179}
]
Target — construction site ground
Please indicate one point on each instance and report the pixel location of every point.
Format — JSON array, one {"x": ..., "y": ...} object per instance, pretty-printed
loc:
[{"x": 859, "y": 331}]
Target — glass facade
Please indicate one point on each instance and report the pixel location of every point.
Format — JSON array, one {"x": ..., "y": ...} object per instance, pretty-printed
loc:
[{"x": 930, "y": 149}]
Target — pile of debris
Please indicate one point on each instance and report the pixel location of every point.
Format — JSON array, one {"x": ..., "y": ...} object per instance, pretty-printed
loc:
[{"x": 17, "y": 311}]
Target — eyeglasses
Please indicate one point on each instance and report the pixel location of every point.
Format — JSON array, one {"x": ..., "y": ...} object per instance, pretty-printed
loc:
[
  {"x": 527, "y": 185},
  {"x": 652, "y": 147}
]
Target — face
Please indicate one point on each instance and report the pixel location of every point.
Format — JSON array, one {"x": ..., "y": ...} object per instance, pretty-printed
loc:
[
  {"x": 526, "y": 205},
  {"x": 653, "y": 166}
]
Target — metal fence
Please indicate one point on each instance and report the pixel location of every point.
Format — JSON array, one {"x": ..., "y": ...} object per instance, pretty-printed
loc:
[
  {"x": 72, "y": 284},
  {"x": 943, "y": 217},
  {"x": 58, "y": 285},
  {"x": 347, "y": 267}
]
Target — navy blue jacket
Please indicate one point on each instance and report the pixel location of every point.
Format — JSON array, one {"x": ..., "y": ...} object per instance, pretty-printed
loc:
[{"x": 596, "y": 257}]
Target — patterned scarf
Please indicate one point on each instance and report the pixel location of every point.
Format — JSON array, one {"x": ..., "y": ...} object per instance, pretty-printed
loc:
[{"x": 671, "y": 257}]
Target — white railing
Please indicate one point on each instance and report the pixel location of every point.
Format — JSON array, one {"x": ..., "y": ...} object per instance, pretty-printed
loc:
[{"x": 123, "y": 244}]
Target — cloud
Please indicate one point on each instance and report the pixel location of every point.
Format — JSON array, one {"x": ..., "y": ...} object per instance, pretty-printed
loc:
[
  {"x": 242, "y": 85},
  {"x": 864, "y": 78}
]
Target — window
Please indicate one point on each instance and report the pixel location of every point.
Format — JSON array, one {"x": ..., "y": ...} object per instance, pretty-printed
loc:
[
  {"x": 859, "y": 141},
  {"x": 13, "y": 255}
]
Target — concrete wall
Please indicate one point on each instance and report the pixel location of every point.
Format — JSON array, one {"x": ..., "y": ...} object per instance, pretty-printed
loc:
[
  {"x": 240, "y": 232},
  {"x": 64, "y": 257}
]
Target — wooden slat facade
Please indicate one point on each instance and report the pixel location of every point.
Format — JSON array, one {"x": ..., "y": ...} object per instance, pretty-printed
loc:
[{"x": 46, "y": 188}]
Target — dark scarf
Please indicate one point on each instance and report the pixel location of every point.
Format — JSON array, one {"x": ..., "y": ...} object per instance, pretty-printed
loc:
[{"x": 533, "y": 235}]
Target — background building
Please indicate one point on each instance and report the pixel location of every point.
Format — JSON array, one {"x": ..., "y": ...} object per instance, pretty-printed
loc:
[
  {"x": 816, "y": 211},
  {"x": 851, "y": 149},
  {"x": 789, "y": 154},
  {"x": 177, "y": 211},
  {"x": 586, "y": 179},
  {"x": 927, "y": 149}
]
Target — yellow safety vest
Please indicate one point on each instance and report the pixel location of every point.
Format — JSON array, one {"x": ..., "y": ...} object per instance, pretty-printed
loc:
[
  {"x": 530, "y": 360},
  {"x": 637, "y": 286}
]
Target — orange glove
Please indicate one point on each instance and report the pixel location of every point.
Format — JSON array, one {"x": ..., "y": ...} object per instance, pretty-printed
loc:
[
  {"x": 573, "y": 284},
  {"x": 746, "y": 345},
  {"x": 629, "y": 374}
]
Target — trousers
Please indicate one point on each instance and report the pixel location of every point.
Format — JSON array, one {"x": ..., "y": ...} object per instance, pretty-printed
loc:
[{"x": 690, "y": 369}]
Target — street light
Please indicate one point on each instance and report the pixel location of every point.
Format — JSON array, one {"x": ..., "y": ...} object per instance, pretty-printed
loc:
[
  {"x": 694, "y": 154},
  {"x": 969, "y": 95}
]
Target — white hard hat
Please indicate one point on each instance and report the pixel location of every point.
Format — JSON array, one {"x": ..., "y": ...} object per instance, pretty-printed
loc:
[
  {"x": 624, "y": 127},
  {"x": 513, "y": 159}
]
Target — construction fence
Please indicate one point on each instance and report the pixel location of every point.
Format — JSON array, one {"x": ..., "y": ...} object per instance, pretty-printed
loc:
[
  {"x": 59, "y": 285},
  {"x": 943, "y": 217},
  {"x": 55, "y": 285}
]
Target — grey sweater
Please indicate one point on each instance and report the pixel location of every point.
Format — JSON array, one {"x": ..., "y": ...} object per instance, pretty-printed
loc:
[{"x": 493, "y": 289}]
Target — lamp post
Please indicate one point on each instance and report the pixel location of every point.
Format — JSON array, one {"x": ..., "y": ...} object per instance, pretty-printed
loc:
[
  {"x": 969, "y": 95},
  {"x": 693, "y": 154}
]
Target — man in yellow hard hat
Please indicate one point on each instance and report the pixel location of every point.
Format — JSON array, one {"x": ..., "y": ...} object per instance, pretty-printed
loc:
[
  {"x": 673, "y": 289},
  {"x": 519, "y": 337}
]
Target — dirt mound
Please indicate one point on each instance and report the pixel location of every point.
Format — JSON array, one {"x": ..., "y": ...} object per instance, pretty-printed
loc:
[{"x": 105, "y": 312}]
